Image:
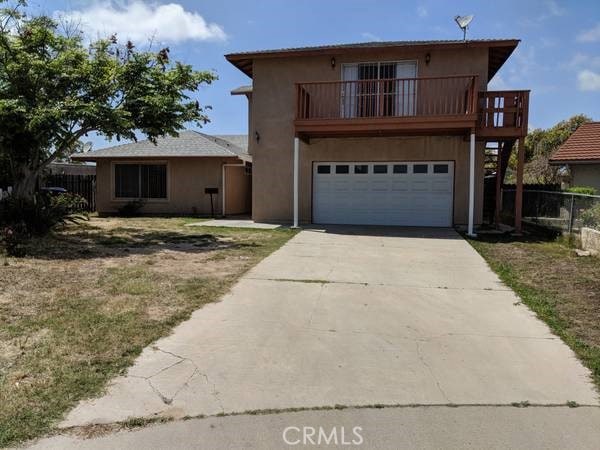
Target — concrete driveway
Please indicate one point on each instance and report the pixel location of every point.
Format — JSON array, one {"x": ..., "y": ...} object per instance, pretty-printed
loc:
[{"x": 352, "y": 316}]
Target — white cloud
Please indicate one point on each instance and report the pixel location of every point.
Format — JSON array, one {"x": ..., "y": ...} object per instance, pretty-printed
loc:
[
  {"x": 371, "y": 37},
  {"x": 580, "y": 60},
  {"x": 588, "y": 81},
  {"x": 591, "y": 35},
  {"x": 551, "y": 9},
  {"x": 140, "y": 21},
  {"x": 422, "y": 11},
  {"x": 554, "y": 9}
]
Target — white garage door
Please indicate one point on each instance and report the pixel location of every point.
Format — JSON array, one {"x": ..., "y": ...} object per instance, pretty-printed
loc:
[{"x": 383, "y": 193}]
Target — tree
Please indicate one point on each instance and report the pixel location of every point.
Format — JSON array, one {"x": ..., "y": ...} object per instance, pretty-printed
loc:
[
  {"x": 540, "y": 144},
  {"x": 54, "y": 90}
]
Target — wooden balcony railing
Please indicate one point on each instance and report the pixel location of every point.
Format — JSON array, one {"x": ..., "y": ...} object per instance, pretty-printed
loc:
[
  {"x": 450, "y": 104},
  {"x": 503, "y": 113},
  {"x": 388, "y": 98}
]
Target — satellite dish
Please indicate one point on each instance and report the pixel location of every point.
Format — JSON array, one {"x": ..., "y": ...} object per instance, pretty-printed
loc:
[
  {"x": 86, "y": 147},
  {"x": 463, "y": 22}
]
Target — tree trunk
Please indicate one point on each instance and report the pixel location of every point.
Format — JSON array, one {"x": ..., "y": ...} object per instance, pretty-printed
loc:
[{"x": 25, "y": 181}]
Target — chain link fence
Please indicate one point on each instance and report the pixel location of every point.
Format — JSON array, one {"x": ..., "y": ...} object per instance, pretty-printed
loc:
[{"x": 560, "y": 211}]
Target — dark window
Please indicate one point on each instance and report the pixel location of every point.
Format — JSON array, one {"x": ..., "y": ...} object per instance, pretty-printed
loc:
[
  {"x": 375, "y": 97},
  {"x": 342, "y": 169},
  {"x": 140, "y": 181},
  {"x": 153, "y": 180},
  {"x": 380, "y": 168},
  {"x": 440, "y": 168},
  {"x": 362, "y": 168},
  {"x": 127, "y": 184},
  {"x": 400, "y": 168},
  {"x": 420, "y": 168},
  {"x": 323, "y": 169}
]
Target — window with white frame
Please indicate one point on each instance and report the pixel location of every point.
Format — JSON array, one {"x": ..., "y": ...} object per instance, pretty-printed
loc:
[{"x": 145, "y": 181}]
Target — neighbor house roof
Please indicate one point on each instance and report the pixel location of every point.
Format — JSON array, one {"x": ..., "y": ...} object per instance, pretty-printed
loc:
[
  {"x": 499, "y": 51},
  {"x": 583, "y": 146},
  {"x": 188, "y": 144},
  {"x": 242, "y": 90}
]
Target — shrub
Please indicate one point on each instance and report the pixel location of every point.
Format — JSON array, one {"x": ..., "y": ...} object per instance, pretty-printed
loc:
[
  {"x": 131, "y": 208},
  {"x": 69, "y": 203},
  {"x": 587, "y": 190},
  {"x": 20, "y": 219},
  {"x": 14, "y": 239},
  {"x": 591, "y": 217}
]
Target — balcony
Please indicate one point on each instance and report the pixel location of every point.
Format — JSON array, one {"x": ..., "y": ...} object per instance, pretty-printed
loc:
[
  {"x": 502, "y": 114},
  {"x": 425, "y": 105}
]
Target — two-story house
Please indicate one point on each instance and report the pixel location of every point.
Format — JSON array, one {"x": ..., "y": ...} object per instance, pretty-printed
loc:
[{"x": 382, "y": 133}]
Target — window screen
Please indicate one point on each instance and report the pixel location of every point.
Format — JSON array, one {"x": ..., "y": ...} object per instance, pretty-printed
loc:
[
  {"x": 140, "y": 181},
  {"x": 154, "y": 180},
  {"x": 127, "y": 181}
]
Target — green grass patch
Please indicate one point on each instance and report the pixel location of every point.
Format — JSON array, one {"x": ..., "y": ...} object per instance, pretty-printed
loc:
[
  {"x": 562, "y": 289},
  {"x": 88, "y": 298}
]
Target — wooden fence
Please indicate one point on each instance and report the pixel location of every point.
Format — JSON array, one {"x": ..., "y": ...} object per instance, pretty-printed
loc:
[{"x": 84, "y": 185}]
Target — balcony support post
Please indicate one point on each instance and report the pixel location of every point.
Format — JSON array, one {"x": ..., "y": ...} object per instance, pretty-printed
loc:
[
  {"x": 499, "y": 182},
  {"x": 296, "y": 169},
  {"x": 519, "y": 191},
  {"x": 470, "y": 231}
]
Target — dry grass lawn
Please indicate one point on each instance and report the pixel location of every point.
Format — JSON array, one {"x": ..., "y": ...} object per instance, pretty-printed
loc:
[
  {"x": 88, "y": 298},
  {"x": 561, "y": 288}
]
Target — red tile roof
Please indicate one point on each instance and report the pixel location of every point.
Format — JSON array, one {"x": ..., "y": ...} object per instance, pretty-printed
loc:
[{"x": 583, "y": 145}]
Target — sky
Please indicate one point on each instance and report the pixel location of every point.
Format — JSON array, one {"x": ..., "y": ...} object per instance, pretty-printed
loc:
[{"x": 558, "y": 58}]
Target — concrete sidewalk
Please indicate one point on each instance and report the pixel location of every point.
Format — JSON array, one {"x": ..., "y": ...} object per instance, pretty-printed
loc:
[
  {"x": 352, "y": 316},
  {"x": 390, "y": 428}
]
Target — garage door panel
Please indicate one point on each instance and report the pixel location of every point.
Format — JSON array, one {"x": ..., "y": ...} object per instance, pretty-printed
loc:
[
  {"x": 384, "y": 193},
  {"x": 400, "y": 185}
]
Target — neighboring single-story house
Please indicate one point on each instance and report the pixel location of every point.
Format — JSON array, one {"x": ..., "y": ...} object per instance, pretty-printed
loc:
[
  {"x": 175, "y": 175},
  {"x": 581, "y": 154}
]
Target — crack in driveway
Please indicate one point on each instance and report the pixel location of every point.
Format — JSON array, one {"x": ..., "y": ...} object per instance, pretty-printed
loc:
[
  {"x": 426, "y": 364},
  {"x": 168, "y": 400}
]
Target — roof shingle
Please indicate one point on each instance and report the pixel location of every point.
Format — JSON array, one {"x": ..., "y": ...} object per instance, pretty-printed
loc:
[
  {"x": 189, "y": 143},
  {"x": 582, "y": 146}
]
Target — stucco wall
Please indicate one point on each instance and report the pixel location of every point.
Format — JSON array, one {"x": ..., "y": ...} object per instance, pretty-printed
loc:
[
  {"x": 273, "y": 110},
  {"x": 186, "y": 180},
  {"x": 586, "y": 175}
]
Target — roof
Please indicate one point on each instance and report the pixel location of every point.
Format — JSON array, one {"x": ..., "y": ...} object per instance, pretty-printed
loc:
[
  {"x": 237, "y": 140},
  {"x": 242, "y": 90},
  {"x": 581, "y": 147},
  {"x": 189, "y": 143},
  {"x": 499, "y": 51}
]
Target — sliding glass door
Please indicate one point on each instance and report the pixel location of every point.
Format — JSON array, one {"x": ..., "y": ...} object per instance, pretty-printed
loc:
[{"x": 378, "y": 89}]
